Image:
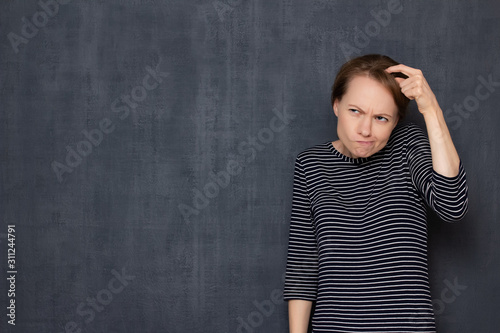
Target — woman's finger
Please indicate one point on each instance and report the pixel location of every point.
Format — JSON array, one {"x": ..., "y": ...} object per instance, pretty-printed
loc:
[{"x": 408, "y": 71}]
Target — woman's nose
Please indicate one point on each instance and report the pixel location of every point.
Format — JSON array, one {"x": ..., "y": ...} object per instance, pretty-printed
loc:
[{"x": 365, "y": 127}]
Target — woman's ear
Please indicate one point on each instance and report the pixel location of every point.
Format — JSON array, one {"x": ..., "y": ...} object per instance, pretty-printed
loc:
[{"x": 336, "y": 107}]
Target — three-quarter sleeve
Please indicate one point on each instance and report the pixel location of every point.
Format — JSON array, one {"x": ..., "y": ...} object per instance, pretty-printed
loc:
[
  {"x": 302, "y": 263},
  {"x": 447, "y": 196}
]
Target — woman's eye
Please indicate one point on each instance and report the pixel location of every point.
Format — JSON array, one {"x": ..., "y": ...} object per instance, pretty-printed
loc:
[
  {"x": 382, "y": 118},
  {"x": 354, "y": 110}
]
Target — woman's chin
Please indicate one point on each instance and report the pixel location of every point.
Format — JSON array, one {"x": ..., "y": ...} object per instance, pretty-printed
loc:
[{"x": 362, "y": 153}]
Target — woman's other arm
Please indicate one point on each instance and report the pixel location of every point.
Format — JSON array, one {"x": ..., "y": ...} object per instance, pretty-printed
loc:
[
  {"x": 301, "y": 281},
  {"x": 299, "y": 312}
]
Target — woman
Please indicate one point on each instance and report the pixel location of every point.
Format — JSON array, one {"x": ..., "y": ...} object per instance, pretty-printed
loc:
[{"x": 358, "y": 225}]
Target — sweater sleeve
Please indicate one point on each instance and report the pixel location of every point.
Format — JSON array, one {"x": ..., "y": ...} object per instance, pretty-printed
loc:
[
  {"x": 302, "y": 262},
  {"x": 447, "y": 196}
]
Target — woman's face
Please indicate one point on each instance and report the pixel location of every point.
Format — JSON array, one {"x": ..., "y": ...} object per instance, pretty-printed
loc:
[{"x": 367, "y": 114}]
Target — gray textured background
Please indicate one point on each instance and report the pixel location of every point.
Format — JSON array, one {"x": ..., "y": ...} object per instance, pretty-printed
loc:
[{"x": 133, "y": 205}]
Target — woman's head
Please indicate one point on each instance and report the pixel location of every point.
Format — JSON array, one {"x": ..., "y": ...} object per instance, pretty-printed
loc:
[
  {"x": 368, "y": 103},
  {"x": 372, "y": 66}
]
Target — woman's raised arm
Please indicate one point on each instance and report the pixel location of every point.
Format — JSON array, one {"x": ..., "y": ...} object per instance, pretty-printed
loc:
[{"x": 445, "y": 159}]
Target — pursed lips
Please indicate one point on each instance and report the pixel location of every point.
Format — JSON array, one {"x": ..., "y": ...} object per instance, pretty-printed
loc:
[{"x": 365, "y": 143}]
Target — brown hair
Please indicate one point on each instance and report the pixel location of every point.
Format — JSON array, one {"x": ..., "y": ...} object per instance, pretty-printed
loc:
[{"x": 373, "y": 66}]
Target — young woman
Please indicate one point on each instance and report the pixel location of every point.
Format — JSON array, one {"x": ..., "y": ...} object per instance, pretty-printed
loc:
[{"x": 358, "y": 236}]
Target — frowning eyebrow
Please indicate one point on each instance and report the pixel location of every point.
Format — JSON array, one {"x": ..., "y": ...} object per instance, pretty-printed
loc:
[{"x": 353, "y": 106}]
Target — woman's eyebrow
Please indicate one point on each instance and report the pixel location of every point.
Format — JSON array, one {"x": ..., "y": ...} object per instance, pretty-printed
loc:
[
  {"x": 355, "y": 106},
  {"x": 361, "y": 109},
  {"x": 384, "y": 114}
]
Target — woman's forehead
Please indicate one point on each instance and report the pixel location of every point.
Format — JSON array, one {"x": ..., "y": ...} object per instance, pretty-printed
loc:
[{"x": 369, "y": 93}]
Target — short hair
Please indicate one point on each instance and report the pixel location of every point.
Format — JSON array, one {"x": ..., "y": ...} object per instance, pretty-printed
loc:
[{"x": 372, "y": 66}]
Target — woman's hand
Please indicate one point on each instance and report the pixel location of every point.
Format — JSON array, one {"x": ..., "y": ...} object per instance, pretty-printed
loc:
[{"x": 415, "y": 87}]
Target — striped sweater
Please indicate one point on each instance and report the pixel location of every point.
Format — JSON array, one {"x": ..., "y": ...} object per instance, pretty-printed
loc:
[{"x": 358, "y": 234}]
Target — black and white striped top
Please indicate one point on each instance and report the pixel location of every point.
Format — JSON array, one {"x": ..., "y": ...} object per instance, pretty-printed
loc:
[{"x": 358, "y": 234}]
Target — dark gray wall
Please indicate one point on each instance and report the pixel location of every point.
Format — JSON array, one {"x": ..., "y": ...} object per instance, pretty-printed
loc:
[{"x": 183, "y": 190}]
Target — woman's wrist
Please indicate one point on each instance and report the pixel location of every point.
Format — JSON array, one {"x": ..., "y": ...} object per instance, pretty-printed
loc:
[{"x": 437, "y": 129}]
